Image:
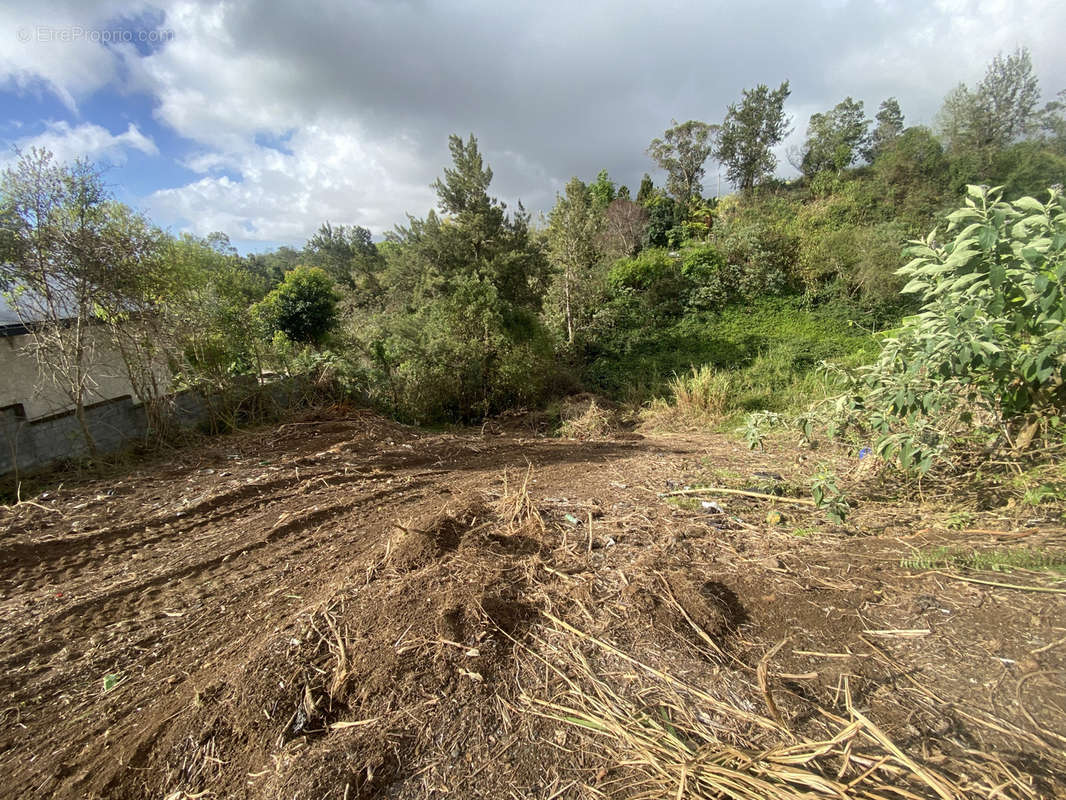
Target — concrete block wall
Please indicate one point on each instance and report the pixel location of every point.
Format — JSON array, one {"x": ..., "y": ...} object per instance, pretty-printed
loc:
[
  {"x": 115, "y": 425},
  {"x": 32, "y": 444}
]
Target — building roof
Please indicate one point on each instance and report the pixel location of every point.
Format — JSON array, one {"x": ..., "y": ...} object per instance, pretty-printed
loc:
[{"x": 10, "y": 324}]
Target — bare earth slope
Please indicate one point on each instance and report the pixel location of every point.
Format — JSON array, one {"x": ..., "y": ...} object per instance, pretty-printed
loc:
[{"x": 351, "y": 608}]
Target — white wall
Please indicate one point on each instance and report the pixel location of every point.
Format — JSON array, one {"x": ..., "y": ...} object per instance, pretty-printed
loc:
[{"x": 22, "y": 382}]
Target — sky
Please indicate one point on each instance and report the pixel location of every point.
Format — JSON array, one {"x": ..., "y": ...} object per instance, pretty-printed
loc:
[{"x": 263, "y": 119}]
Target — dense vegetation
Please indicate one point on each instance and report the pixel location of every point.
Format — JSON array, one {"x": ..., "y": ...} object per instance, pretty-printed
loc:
[{"x": 726, "y": 304}]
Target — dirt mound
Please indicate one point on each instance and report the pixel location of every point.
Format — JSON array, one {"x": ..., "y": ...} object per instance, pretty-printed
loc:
[
  {"x": 422, "y": 541},
  {"x": 424, "y": 633}
]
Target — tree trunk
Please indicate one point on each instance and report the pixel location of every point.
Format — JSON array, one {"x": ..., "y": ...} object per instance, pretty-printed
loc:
[{"x": 569, "y": 318}]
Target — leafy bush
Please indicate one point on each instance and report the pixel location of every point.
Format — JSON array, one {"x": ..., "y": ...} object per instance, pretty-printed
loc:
[
  {"x": 987, "y": 351},
  {"x": 760, "y": 255},
  {"x": 650, "y": 286},
  {"x": 303, "y": 306}
]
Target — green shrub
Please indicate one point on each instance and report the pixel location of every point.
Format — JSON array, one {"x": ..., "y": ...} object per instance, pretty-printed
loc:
[
  {"x": 760, "y": 255},
  {"x": 987, "y": 351},
  {"x": 303, "y": 306}
]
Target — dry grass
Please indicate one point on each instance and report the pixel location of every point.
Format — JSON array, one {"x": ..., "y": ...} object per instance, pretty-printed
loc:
[
  {"x": 698, "y": 400},
  {"x": 666, "y": 738},
  {"x": 587, "y": 419},
  {"x": 704, "y": 392},
  {"x": 515, "y": 507}
]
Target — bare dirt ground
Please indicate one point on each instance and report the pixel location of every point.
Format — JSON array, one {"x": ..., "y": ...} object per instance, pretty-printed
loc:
[{"x": 349, "y": 608}]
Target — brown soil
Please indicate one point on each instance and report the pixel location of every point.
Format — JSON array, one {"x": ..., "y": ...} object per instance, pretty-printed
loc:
[{"x": 350, "y": 608}]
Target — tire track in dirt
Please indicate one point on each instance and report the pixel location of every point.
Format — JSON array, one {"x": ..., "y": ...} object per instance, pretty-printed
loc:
[
  {"x": 147, "y": 599},
  {"x": 39, "y": 552},
  {"x": 226, "y": 572},
  {"x": 31, "y": 572},
  {"x": 223, "y": 564}
]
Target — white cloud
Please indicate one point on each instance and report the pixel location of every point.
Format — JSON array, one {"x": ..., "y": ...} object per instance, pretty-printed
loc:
[
  {"x": 299, "y": 113},
  {"x": 55, "y": 47},
  {"x": 88, "y": 140},
  {"x": 330, "y": 173}
]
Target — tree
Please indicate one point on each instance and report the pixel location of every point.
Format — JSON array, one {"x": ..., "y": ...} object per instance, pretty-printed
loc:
[
  {"x": 835, "y": 138},
  {"x": 1006, "y": 100},
  {"x": 1053, "y": 124},
  {"x": 574, "y": 227},
  {"x": 464, "y": 189},
  {"x": 748, "y": 133},
  {"x": 348, "y": 254},
  {"x": 889, "y": 125},
  {"x": 1002, "y": 110},
  {"x": 477, "y": 238},
  {"x": 219, "y": 242},
  {"x": 663, "y": 227},
  {"x": 646, "y": 191},
  {"x": 71, "y": 256},
  {"x": 272, "y": 265},
  {"x": 623, "y": 229},
  {"x": 209, "y": 311},
  {"x": 459, "y": 333},
  {"x": 955, "y": 120},
  {"x": 602, "y": 190},
  {"x": 303, "y": 306},
  {"x": 682, "y": 153}
]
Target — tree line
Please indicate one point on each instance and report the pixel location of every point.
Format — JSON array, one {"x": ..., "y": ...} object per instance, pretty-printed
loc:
[{"x": 476, "y": 308}]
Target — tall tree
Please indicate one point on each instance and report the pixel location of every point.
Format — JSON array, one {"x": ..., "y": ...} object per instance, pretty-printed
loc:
[
  {"x": 1007, "y": 98},
  {"x": 748, "y": 133},
  {"x": 459, "y": 335},
  {"x": 835, "y": 138},
  {"x": 574, "y": 227},
  {"x": 889, "y": 121},
  {"x": 602, "y": 190},
  {"x": 999, "y": 112},
  {"x": 955, "y": 119},
  {"x": 475, "y": 238},
  {"x": 646, "y": 191},
  {"x": 681, "y": 153}
]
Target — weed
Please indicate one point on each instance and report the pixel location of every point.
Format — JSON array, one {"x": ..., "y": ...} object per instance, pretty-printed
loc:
[
  {"x": 704, "y": 392},
  {"x": 827, "y": 495},
  {"x": 1000, "y": 560},
  {"x": 685, "y": 503},
  {"x": 1045, "y": 492},
  {"x": 756, "y": 426},
  {"x": 959, "y": 520}
]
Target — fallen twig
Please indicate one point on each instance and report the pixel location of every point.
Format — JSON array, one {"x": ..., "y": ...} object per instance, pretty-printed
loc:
[
  {"x": 1002, "y": 585},
  {"x": 803, "y": 501}
]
